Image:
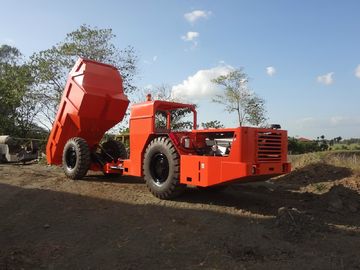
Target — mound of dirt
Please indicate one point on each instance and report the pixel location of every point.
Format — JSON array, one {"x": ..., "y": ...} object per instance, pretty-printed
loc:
[
  {"x": 352, "y": 183},
  {"x": 296, "y": 225},
  {"x": 313, "y": 173},
  {"x": 341, "y": 200}
]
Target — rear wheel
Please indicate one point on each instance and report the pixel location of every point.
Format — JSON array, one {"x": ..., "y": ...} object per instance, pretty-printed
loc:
[
  {"x": 112, "y": 150},
  {"x": 161, "y": 169},
  {"x": 76, "y": 158}
]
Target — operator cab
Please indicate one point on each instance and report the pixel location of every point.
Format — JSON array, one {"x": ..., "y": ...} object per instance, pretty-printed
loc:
[{"x": 174, "y": 120}]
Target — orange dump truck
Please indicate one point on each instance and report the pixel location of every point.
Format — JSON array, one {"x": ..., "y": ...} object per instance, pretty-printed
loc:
[{"x": 168, "y": 159}]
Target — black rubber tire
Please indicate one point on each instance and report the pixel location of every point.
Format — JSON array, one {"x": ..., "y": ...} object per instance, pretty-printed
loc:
[
  {"x": 115, "y": 149},
  {"x": 76, "y": 158},
  {"x": 169, "y": 188}
]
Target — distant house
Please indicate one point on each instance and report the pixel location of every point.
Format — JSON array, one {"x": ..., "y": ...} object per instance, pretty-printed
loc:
[{"x": 302, "y": 139}]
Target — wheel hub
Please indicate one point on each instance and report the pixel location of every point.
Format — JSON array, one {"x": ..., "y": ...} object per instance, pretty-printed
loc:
[
  {"x": 70, "y": 158},
  {"x": 159, "y": 168}
]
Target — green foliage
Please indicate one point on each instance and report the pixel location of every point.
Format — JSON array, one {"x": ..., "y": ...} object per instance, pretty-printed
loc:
[
  {"x": 299, "y": 147},
  {"x": 50, "y": 67},
  {"x": 9, "y": 55},
  {"x": 319, "y": 187},
  {"x": 345, "y": 146},
  {"x": 212, "y": 124},
  {"x": 26, "y": 113},
  {"x": 351, "y": 141},
  {"x": 15, "y": 83},
  {"x": 323, "y": 144},
  {"x": 238, "y": 98},
  {"x": 255, "y": 108},
  {"x": 96, "y": 44}
]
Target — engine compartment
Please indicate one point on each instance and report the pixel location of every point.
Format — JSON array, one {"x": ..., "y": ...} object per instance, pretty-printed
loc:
[{"x": 210, "y": 143}]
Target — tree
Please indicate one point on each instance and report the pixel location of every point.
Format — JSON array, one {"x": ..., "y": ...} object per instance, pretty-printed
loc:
[
  {"x": 15, "y": 83},
  {"x": 50, "y": 67},
  {"x": 212, "y": 124},
  {"x": 323, "y": 143},
  {"x": 256, "y": 112},
  {"x": 338, "y": 139},
  {"x": 26, "y": 116},
  {"x": 300, "y": 147},
  {"x": 9, "y": 55},
  {"x": 238, "y": 98}
]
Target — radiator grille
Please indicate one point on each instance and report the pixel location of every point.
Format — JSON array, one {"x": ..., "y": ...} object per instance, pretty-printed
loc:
[{"x": 269, "y": 147}]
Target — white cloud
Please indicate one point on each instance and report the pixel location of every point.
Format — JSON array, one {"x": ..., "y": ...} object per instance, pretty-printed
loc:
[
  {"x": 336, "y": 120},
  {"x": 357, "y": 71},
  {"x": 195, "y": 15},
  {"x": 190, "y": 36},
  {"x": 270, "y": 71},
  {"x": 200, "y": 84},
  {"x": 155, "y": 58},
  {"x": 326, "y": 79}
]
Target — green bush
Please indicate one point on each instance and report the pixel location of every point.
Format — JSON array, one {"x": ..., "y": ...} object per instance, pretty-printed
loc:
[{"x": 298, "y": 147}]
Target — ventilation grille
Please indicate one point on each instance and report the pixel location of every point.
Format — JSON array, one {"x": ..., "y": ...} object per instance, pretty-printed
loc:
[{"x": 269, "y": 147}]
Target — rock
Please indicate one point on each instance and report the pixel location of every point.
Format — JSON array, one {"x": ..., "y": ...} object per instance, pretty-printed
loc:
[{"x": 46, "y": 226}]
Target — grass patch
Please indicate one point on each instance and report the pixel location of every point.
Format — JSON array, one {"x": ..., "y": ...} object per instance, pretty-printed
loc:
[
  {"x": 342, "y": 146},
  {"x": 320, "y": 187},
  {"x": 348, "y": 159}
]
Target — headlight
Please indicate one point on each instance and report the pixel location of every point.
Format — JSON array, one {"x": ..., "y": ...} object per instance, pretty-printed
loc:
[{"x": 186, "y": 142}]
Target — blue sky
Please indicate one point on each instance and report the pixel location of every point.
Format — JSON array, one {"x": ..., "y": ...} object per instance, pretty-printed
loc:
[{"x": 311, "y": 50}]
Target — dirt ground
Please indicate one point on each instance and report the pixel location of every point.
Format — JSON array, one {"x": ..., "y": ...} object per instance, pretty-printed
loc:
[{"x": 309, "y": 219}]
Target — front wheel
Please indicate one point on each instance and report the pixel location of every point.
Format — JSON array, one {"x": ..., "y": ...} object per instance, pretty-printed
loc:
[{"x": 161, "y": 169}]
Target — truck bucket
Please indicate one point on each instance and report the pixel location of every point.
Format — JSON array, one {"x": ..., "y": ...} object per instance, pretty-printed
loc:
[{"x": 93, "y": 102}]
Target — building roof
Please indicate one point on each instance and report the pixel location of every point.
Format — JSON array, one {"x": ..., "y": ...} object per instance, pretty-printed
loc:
[{"x": 302, "y": 139}]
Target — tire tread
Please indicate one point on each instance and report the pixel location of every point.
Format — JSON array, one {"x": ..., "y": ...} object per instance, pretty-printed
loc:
[
  {"x": 175, "y": 188},
  {"x": 83, "y": 158}
]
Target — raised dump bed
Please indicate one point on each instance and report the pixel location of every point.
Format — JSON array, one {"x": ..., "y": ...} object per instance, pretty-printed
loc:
[{"x": 93, "y": 102}]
